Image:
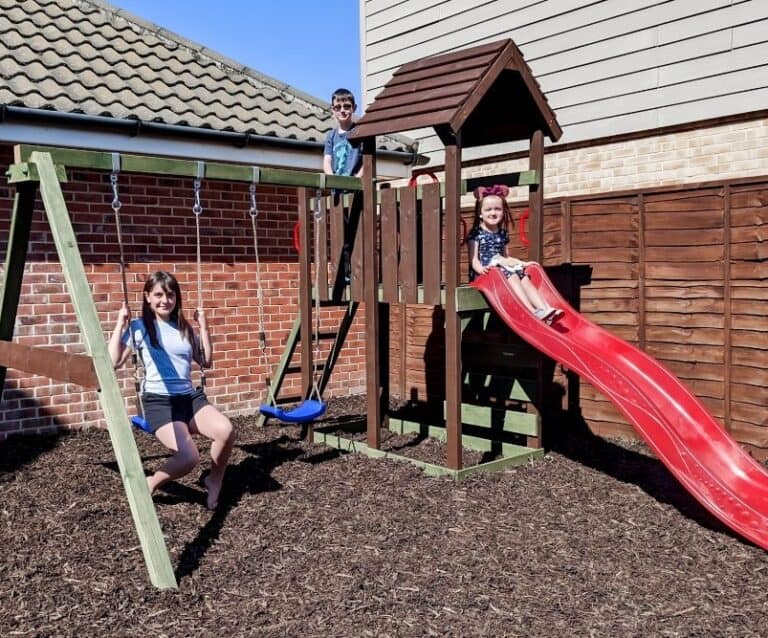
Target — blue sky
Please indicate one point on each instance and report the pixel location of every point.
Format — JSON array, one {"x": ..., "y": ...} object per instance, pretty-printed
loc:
[{"x": 313, "y": 46}]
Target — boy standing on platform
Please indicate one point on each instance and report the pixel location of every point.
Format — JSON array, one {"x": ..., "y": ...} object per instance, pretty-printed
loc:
[{"x": 341, "y": 157}]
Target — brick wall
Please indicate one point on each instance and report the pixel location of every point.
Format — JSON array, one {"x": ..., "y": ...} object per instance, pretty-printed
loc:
[
  {"x": 730, "y": 151},
  {"x": 159, "y": 233}
]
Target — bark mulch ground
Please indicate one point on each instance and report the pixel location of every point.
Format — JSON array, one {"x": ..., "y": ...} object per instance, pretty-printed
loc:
[{"x": 595, "y": 539}]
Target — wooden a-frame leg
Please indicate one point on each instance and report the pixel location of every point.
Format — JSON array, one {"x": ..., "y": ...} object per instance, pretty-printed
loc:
[
  {"x": 16, "y": 257},
  {"x": 127, "y": 455}
]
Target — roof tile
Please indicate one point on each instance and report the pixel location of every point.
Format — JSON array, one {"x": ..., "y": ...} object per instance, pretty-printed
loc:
[{"x": 86, "y": 56}]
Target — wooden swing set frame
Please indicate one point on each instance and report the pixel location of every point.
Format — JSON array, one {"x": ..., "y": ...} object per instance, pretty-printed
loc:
[{"x": 44, "y": 167}]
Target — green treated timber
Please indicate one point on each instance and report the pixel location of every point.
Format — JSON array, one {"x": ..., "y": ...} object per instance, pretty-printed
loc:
[
  {"x": 467, "y": 299},
  {"x": 26, "y": 172},
  {"x": 518, "y": 392},
  {"x": 280, "y": 371},
  {"x": 15, "y": 258},
  {"x": 516, "y": 457},
  {"x": 127, "y": 455},
  {"x": 481, "y": 416},
  {"x": 470, "y": 299},
  {"x": 521, "y": 178},
  {"x": 100, "y": 160},
  {"x": 476, "y": 443},
  {"x": 513, "y": 421}
]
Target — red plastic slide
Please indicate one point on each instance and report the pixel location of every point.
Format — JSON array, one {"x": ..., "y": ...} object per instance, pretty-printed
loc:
[{"x": 674, "y": 423}]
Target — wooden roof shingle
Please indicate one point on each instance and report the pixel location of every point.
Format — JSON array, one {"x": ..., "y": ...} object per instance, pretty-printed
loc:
[{"x": 487, "y": 92}]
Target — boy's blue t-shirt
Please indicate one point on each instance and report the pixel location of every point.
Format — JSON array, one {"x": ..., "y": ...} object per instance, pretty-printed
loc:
[
  {"x": 167, "y": 369},
  {"x": 346, "y": 157}
]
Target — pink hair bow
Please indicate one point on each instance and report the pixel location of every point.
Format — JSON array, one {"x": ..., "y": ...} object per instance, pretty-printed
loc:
[{"x": 486, "y": 191}]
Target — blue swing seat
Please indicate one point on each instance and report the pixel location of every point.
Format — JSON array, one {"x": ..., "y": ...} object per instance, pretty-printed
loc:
[
  {"x": 141, "y": 424},
  {"x": 307, "y": 411}
]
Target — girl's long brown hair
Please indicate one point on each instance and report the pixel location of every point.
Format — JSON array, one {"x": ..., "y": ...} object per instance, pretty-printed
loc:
[{"x": 169, "y": 284}]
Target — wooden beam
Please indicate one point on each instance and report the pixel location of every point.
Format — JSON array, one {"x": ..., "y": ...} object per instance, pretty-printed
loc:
[
  {"x": 727, "y": 311},
  {"x": 370, "y": 295},
  {"x": 100, "y": 160},
  {"x": 25, "y": 172},
  {"x": 15, "y": 258},
  {"x": 72, "y": 368},
  {"x": 452, "y": 320},
  {"x": 536, "y": 199},
  {"x": 305, "y": 291},
  {"x": 127, "y": 455}
]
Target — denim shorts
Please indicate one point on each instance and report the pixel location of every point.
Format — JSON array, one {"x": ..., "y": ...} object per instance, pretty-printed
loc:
[{"x": 160, "y": 409}]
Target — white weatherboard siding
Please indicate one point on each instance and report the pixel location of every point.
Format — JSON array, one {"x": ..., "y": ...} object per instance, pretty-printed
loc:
[{"x": 607, "y": 67}]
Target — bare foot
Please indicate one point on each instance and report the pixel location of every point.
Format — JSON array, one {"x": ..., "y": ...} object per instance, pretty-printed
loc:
[{"x": 213, "y": 493}]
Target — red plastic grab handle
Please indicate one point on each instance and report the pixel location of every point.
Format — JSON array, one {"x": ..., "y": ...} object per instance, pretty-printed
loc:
[
  {"x": 414, "y": 178},
  {"x": 296, "y": 239},
  {"x": 524, "y": 218}
]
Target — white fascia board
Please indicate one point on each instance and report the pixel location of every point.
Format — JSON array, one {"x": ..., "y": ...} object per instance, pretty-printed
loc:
[{"x": 287, "y": 157}]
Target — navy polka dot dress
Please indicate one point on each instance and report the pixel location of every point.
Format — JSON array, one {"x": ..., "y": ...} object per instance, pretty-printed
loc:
[{"x": 488, "y": 246}]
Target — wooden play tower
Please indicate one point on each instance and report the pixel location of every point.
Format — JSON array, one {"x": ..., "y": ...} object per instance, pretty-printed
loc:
[{"x": 478, "y": 96}]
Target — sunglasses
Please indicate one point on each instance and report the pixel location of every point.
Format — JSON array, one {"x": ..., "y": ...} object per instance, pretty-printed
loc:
[{"x": 343, "y": 107}]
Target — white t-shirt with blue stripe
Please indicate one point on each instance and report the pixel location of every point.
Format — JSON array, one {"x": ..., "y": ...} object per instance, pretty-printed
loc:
[{"x": 167, "y": 369}]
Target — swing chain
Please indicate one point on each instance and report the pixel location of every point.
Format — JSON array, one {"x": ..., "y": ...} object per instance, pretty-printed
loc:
[
  {"x": 253, "y": 211},
  {"x": 318, "y": 209},
  {"x": 197, "y": 208},
  {"x": 116, "y": 203}
]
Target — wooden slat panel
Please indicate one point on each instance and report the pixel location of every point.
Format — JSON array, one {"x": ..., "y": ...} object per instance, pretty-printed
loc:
[
  {"x": 431, "y": 235},
  {"x": 413, "y": 96},
  {"x": 404, "y": 124},
  {"x": 436, "y": 63},
  {"x": 72, "y": 368},
  {"x": 321, "y": 248},
  {"x": 336, "y": 222},
  {"x": 408, "y": 244},
  {"x": 389, "y": 241},
  {"x": 412, "y": 110},
  {"x": 465, "y": 79},
  {"x": 355, "y": 241}
]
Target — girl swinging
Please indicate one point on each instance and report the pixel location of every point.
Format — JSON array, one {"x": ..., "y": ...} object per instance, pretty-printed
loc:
[{"x": 173, "y": 409}]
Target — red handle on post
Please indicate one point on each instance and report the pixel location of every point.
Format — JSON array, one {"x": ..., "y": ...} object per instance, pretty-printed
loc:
[
  {"x": 523, "y": 235},
  {"x": 297, "y": 237},
  {"x": 414, "y": 178}
]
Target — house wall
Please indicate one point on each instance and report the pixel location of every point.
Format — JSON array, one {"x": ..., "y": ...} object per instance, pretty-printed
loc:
[
  {"x": 606, "y": 67},
  {"x": 159, "y": 233}
]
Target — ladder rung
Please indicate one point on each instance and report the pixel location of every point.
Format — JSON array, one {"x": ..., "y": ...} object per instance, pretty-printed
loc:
[
  {"x": 289, "y": 399},
  {"x": 323, "y": 335},
  {"x": 296, "y": 369}
]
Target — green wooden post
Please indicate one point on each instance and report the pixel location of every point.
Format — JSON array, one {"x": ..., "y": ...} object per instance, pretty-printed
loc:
[
  {"x": 127, "y": 455},
  {"x": 16, "y": 257}
]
